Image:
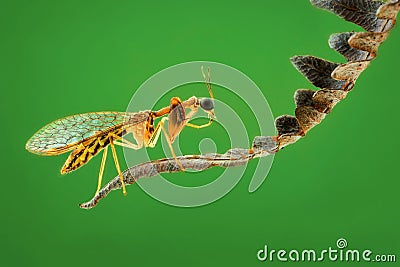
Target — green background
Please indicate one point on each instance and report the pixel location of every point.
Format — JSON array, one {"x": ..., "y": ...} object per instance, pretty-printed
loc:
[{"x": 65, "y": 57}]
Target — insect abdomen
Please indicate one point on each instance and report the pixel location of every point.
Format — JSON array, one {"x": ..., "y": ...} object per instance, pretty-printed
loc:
[{"x": 84, "y": 152}]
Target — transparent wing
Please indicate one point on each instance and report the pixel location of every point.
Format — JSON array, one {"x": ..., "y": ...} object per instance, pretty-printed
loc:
[{"x": 65, "y": 134}]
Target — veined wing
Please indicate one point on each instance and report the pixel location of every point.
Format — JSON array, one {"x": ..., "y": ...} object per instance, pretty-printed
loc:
[{"x": 65, "y": 134}]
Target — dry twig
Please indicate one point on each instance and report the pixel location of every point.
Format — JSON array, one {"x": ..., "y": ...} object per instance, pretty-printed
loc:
[{"x": 334, "y": 79}]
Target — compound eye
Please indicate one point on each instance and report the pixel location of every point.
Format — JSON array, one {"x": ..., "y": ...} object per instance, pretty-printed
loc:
[{"x": 207, "y": 104}]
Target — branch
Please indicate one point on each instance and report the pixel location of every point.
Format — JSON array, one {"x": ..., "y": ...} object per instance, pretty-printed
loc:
[
  {"x": 334, "y": 79},
  {"x": 262, "y": 146}
]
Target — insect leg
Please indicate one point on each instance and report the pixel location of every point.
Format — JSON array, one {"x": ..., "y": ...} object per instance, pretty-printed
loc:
[
  {"x": 117, "y": 165},
  {"x": 199, "y": 126},
  {"x": 125, "y": 143},
  {"x": 190, "y": 115},
  {"x": 156, "y": 135},
  {"x": 103, "y": 161}
]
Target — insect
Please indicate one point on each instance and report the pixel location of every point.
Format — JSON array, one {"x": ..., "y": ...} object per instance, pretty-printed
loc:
[{"x": 88, "y": 133}]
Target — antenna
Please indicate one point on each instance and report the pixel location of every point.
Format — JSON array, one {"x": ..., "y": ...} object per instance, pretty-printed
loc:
[{"x": 207, "y": 80}]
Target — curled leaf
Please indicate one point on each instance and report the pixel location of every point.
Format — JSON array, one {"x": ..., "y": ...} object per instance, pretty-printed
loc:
[
  {"x": 265, "y": 144},
  {"x": 304, "y": 97},
  {"x": 389, "y": 10},
  {"x": 362, "y": 13},
  {"x": 308, "y": 117},
  {"x": 318, "y": 71},
  {"x": 285, "y": 140},
  {"x": 349, "y": 72},
  {"x": 289, "y": 130},
  {"x": 367, "y": 41},
  {"x": 287, "y": 124},
  {"x": 339, "y": 42},
  {"x": 322, "y": 100},
  {"x": 325, "y": 100}
]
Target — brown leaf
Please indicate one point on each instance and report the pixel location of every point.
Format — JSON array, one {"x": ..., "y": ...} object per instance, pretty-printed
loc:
[
  {"x": 318, "y": 71},
  {"x": 287, "y": 125},
  {"x": 326, "y": 99},
  {"x": 322, "y": 100},
  {"x": 304, "y": 97},
  {"x": 389, "y": 10},
  {"x": 360, "y": 12},
  {"x": 285, "y": 140},
  {"x": 267, "y": 144},
  {"x": 349, "y": 72},
  {"x": 308, "y": 117},
  {"x": 367, "y": 41},
  {"x": 339, "y": 42}
]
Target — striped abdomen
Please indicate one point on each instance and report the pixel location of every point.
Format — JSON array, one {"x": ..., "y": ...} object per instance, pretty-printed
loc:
[{"x": 88, "y": 149}]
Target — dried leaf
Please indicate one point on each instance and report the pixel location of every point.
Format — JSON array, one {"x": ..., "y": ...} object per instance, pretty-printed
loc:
[
  {"x": 349, "y": 72},
  {"x": 304, "y": 97},
  {"x": 265, "y": 144},
  {"x": 389, "y": 10},
  {"x": 287, "y": 124},
  {"x": 367, "y": 41},
  {"x": 322, "y": 100},
  {"x": 318, "y": 71},
  {"x": 308, "y": 117},
  {"x": 326, "y": 99},
  {"x": 286, "y": 140},
  {"x": 339, "y": 42},
  {"x": 360, "y": 12}
]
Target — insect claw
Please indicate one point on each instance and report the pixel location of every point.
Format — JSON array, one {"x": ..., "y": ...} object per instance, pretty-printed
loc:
[{"x": 212, "y": 116}]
